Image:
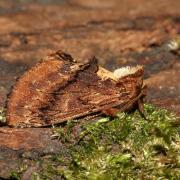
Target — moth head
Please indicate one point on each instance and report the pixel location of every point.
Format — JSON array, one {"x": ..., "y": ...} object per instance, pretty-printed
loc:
[{"x": 130, "y": 76}]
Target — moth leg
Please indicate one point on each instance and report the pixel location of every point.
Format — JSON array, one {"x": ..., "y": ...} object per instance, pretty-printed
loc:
[
  {"x": 110, "y": 112},
  {"x": 140, "y": 103}
]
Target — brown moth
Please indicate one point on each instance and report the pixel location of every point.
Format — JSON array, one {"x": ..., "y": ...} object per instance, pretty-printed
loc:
[{"x": 58, "y": 89}]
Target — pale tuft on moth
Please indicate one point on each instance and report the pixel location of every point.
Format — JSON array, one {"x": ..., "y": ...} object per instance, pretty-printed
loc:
[{"x": 127, "y": 70}]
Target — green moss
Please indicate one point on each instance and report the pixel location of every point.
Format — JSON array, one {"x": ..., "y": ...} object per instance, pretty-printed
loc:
[
  {"x": 15, "y": 175},
  {"x": 65, "y": 134},
  {"x": 126, "y": 147}
]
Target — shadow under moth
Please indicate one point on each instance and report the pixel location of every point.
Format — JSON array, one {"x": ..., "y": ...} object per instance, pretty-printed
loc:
[{"x": 58, "y": 89}]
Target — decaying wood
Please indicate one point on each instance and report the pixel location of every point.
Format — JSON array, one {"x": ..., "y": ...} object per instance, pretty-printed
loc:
[{"x": 58, "y": 89}]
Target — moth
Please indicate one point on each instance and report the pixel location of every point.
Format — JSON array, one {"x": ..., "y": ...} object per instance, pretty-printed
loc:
[{"x": 59, "y": 88}]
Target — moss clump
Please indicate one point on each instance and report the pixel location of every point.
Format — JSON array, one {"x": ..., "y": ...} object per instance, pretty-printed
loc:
[{"x": 126, "y": 147}]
